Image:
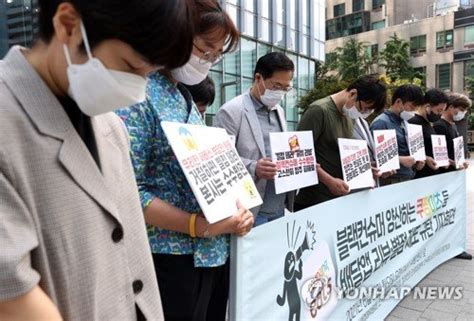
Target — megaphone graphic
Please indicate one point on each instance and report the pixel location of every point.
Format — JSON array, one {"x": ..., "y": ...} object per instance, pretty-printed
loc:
[{"x": 303, "y": 247}]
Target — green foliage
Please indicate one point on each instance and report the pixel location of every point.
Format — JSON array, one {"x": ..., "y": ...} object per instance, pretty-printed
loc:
[
  {"x": 395, "y": 58},
  {"x": 352, "y": 60}
]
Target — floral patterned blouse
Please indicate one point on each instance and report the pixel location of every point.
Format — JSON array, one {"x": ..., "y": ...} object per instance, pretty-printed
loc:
[{"x": 158, "y": 172}]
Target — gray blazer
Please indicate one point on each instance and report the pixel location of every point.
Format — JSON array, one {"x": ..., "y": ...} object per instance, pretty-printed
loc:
[
  {"x": 239, "y": 118},
  {"x": 75, "y": 230}
]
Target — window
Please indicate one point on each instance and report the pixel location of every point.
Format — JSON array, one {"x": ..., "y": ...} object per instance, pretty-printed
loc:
[
  {"x": 249, "y": 56},
  {"x": 376, "y": 4},
  {"x": 339, "y": 10},
  {"x": 378, "y": 25},
  {"x": 420, "y": 73},
  {"x": 357, "y": 5},
  {"x": 443, "y": 76},
  {"x": 374, "y": 51},
  {"x": 444, "y": 39},
  {"x": 469, "y": 35},
  {"x": 418, "y": 44}
]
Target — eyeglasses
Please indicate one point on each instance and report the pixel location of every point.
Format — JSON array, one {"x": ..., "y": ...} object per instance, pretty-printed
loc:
[
  {"x": 208, "y": 56},
  {"x": 288, "y": 89}
]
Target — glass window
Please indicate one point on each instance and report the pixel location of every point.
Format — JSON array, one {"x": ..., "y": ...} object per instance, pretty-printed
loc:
[
  {"x": 266, "y": 9},
  {"x": 232, "y": 63},
  {"x": 469, "y": 34},
  {"x": 280, "y": 36},
  {"x": 262, "y": 50},
  {"x": 246, "y": 83},
  {"x": 291, "y": 112},
  {"x": 357, "y": 5},
  {"x": 249, "y": 56},
  {"x": 339, "y": 10},
  {"x": 217, "y": 77},
  {"x": 249, "y": 24},
  {"x": 444, "y": 39},
  {"x": 312, "y": 72},
  {"x": 374, "y": 50},
  {"x": 295, "y": 62},
  {"x": 303, "y": 73},
  {"x": 376, "y": 4},
  {"x": 280, "y": 11},
  {"x": 232, "y": 87},
  {"x": 18, "y": 24},
  {"x": 293, "y": 14},
  {"x": 233, "y": 12},
  {"x": 378, "y": 24},
  {"x": 305, "y": 17},
  {"x": 293, "y": 40},
  {"x": 418, "y": 44},
  {"x": 266, "y": 30},
  {"x": 250, "y": 5},
  {"x": 443, "y": 76}
]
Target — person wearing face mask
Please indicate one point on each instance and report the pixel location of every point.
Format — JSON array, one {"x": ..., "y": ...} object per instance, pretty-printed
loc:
[
  {"x": 331, "y": 118},
  {"x": 405, "y": 100},
  {"x": 190, "y": 255},
  {"x": 458, "y": 106},
  {"x": 435, "y": 102},
  {"x": 73, "y": 243},
  {"x": 251, "y": 117}
]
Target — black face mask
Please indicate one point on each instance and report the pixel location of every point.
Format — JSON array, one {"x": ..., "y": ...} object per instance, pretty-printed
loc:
[{"x": 432, "y": 117}]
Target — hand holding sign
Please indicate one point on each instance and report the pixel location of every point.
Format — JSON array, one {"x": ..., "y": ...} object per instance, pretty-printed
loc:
[
  {"x": 265, "y": 169},
  {"x": 338, "y": 187}
]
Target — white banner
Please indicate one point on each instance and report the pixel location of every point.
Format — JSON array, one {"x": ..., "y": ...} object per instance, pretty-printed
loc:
[
  {"x": 213, "y": 169},
  {"x": 351, "y": 258},
  {"x": 386, "y": 150},
  {"x": 293, "y": 153},
  {"x": 440, "y": 150},
  {"x": 355, "y": 161}
]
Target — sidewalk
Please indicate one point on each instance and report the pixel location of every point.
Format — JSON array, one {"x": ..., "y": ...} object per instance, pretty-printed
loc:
[{"x": 454, "y": 272}]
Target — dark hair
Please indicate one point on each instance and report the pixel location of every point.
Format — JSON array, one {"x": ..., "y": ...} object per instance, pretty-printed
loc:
[
  {"x": 370, "y": 89},
  {"x": 204, "y": 92},
  {"x": 143, "y": 24},
  {"x": 457, "y": 100},
  {"x": 434, "y": 97},
  {"x": 211, "y": 16},
  {"x": 273, "y": 62},
  {"x": 408, "y": 93}
]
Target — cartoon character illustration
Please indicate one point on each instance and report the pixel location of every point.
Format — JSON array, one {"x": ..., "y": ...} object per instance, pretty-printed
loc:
[
  {"x": 294, "y": 143},
  {"x": 290, "y": 287},
  {"x": 292, "y": 275},
  {"x": 187, "y": 139},
  {"x": 250, "y": 189}
]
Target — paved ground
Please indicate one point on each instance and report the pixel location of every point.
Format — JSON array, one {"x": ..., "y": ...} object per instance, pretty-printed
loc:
[{"x": 454, "y": 272}]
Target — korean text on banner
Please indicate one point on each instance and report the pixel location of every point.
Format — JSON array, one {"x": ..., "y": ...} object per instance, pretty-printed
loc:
[{"x": 213, "y": 169}]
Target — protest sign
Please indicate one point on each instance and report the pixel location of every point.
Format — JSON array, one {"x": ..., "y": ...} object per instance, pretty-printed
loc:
[
  {"x": 459, "y": 155},
  {"x": 386, "y": 150},
  {"x": 416, "y": 144},
  {"x": 293, "y": 154},
  {"x": 440, "y": 150},
  {"x": 351, "y": 258},
  {"x": 355, "y": 162},
  {"x": 213, "y": 169}
]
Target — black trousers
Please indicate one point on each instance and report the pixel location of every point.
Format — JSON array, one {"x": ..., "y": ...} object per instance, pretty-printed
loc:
[{"x": 189, "y": 293}]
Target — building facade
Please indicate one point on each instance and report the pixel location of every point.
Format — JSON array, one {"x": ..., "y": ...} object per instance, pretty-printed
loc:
[
  {"x": 296, "y": 27},
  {"x": 441, "y": 46}
]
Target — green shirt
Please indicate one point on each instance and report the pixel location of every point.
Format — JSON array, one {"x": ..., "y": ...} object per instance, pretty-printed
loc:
[{"x": 327, "y": 124}]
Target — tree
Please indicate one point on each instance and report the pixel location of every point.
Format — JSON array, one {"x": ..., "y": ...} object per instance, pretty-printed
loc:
[
  {"x": 395, "y": 58},
  {"x": 351, "y": 60}
]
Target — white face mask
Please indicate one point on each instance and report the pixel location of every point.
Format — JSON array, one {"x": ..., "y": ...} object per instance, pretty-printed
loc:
[
  {"x": 460, "y": 115},
  {"x": 407, "y": 115},
  {"x": 271, "y": 98},
  {"x": 193, "y": 72},
  {"x": 98, "y": 90}
]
